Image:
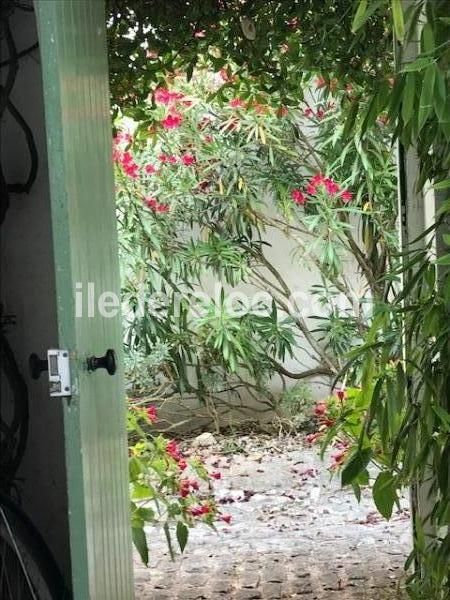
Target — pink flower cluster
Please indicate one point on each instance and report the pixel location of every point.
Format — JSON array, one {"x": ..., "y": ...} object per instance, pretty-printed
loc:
[
  {"x": 237, "y": 103},
  {"x": 166, "y": 97},
  {"x": 173, "y": 450},
  {"x": 339, "y": 455},
  {"x": 186, "y": 485},
  {"x": 319, "y": 181},
  {"x": 155, "y": 206},
  {"x": 186, "y": 159},
  {"x": 152, "y": 414},
  {"x": 309, "y": 112},
  {"x": 200, "y": 510},
  {"x": 172, "y": 120},
  {"x": 150, "y": 169},
  {"x": 128, "y": 164}
]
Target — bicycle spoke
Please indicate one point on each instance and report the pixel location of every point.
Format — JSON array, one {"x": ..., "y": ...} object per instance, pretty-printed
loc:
[{"x": 14, "y": 551}]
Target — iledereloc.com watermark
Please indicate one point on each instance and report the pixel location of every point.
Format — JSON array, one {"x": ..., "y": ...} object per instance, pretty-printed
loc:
[{"x": 91, "y": 302}]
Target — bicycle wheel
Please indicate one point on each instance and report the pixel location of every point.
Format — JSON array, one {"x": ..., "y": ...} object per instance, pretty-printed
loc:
[
  {"x": 27, "y": 568},
  {"x": 13, "y": 415}
]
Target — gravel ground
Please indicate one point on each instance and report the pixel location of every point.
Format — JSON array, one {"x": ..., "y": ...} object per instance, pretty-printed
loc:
[{"x": 294, "y": 533}]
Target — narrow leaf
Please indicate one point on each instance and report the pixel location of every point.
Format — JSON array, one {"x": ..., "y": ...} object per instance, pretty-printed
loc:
[
  {"x": 399, "y": 22},
  {"x": 140, "y": 541},
  {"x": 356, "y": 465},
  {"x": 384, "y": 494},
  {"x": 360, "y": 15},
  {"x": 182, "y": 535}
]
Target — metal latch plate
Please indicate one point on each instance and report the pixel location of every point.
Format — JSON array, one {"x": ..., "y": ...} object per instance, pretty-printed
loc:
[{"x": 59, "y": 373}]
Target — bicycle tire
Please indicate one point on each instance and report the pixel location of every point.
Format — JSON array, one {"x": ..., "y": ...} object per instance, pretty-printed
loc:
[
  {"x": 13, "y": 435},
  {"x": 26, "y": 562}
]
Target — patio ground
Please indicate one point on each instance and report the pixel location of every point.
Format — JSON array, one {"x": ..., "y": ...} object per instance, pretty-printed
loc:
[{"x": 294, "y": 533}]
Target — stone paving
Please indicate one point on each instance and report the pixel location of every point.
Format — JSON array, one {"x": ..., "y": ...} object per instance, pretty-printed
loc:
[{"x": 294, "y": 534}]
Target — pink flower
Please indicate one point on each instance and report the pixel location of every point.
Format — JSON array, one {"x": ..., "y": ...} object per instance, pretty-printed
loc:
[
  {"x": 346, "y": 196},
  {"x": 162, "y": 208},
  {"x": 166, "y": 158},
  {"x": 128, "y": 165},
  {"x": 200, "y": 34},
  {"x": 156, "y": 206},
  {"x": 150, "y": 202},
  {"x": 208, "y": 139},
  {"x": 298, "y": 197},
  {"x": 173, "y": 450},
  {"x": 226, "y": 519},
  {"x": 317, "y": 179},
  {"x": 320, "y": 113},
  {"x": 225, "y": 75},
  {"x": 182, "y": 464},
  {"x": 164, "y": 96},
  {"x": 308, "y": 112},
  {"x": 198, "y": 511},
  {"x": 341, "y": 444},
  {"x": 123, "y": 137},
  {"x": 152, "y": 414},
  {"x": 117, "y": 155},
  {"x": 311, "y": 438},
  {"x": 150, "y": 169},
  {"x": 188, "y": 160},
  {"x": 172, "y": 121},
  {"x": 320, "y": 409},
  {"x": 184, "y": 488},
  {"x": 320, "y": 82},
  {"x": 311, "y": 189},
  {"x": 236, "y": 103},
  {"x": 331, "y": 186},
  {"x": 216, "y": 475},
  {"x": 152, "y": 54},
  {"x": 337, "y": 458}
]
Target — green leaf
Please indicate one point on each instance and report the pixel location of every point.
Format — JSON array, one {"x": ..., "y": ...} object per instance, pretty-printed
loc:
[
  {"x": 357, "y": 491},
  {"x": 134, "y": 468},
  {"x": 182, "y": 535},
  {"x": 364, "y": 12},
  {"x": 443, "y": 473},
  {"x": 442, "y": 185},
  {"x": 399, "y": 22},
  {"x": 360, "y": 15},
  {"x": 356, "y": 465},
  {"x": 408, "y": 97},
  {"x": 428, "y": 38},
  {"x": 140, "y": 541},
  {"x": 419, "y": 64},
  {"x": 426, "y": 96},
  {"x": 384, "y": 494}
]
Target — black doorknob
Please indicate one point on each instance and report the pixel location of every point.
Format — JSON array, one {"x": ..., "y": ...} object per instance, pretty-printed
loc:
[
  {"x": 107, "y": 362},
  {"x": 37, "y": 365}
]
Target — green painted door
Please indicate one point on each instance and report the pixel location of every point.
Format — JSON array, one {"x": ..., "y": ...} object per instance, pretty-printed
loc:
[{"x": 75, "y": 77}]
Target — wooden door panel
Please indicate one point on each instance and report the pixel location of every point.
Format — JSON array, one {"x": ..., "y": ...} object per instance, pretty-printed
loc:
[{"x": 75, "y": 74}]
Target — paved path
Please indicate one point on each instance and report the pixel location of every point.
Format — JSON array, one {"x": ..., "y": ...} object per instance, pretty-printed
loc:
[{"x": 294, "y": 534}]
